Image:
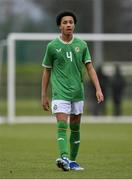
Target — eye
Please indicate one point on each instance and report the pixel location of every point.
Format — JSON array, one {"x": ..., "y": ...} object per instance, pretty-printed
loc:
[
  {"x": 64, "y": 22},
  {"x": 71, "y": 22}
]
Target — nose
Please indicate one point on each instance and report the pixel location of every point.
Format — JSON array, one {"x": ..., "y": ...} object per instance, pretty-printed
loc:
[{"x": 68, "y": 24}]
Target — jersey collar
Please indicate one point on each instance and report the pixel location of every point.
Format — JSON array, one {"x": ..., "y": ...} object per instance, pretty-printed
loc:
[{"x": 66, "y": 42}]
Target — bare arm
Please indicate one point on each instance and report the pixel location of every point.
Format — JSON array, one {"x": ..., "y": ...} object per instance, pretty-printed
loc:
[
  {"x": 93, "y": 76},
  {"x": 45, "y": 83}
]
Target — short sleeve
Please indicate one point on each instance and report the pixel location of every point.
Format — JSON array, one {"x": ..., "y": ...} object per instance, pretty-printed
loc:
[
  {"x": 86, "y": 54},
  {"x": 48, "y": 58}
]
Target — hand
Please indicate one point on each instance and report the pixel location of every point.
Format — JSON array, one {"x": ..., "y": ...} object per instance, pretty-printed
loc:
[
  {"x": 45, "y": 103},
  {"x": 99, "y": 96}
]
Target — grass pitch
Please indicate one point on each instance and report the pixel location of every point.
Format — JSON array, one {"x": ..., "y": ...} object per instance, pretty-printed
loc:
[{"x": 30, "y": 151}]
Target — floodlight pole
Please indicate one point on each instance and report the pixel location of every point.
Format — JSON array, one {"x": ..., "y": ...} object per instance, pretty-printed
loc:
[{"x": 98, "y": 28}]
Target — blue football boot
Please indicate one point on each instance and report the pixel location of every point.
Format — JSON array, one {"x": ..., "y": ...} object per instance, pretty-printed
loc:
[
  {"x": 75, "y": 166},
  {"x": 63, "y": 163}
]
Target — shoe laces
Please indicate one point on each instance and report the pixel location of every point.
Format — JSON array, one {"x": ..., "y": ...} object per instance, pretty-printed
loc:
[{"x": 65, "y": 159}]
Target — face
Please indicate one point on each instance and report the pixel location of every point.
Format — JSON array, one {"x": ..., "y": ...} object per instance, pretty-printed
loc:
[{"x": 67, "y": 25}]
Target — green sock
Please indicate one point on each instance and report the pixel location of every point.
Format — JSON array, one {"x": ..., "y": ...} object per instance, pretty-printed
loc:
[
  {"x": 74, "y": 140},
  {"x": 62, "y": 138}
]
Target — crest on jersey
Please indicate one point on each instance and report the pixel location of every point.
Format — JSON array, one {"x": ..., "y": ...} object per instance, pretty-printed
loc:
[
  {"x": 77, "y": 49},
  {"x": 58, "y": 50}
]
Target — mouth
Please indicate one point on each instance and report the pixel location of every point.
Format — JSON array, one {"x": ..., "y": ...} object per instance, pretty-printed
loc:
[{"x": 69, "y": 30}]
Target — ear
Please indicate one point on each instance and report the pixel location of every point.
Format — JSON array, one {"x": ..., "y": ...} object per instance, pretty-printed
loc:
[{"x": 60, "y": 27}]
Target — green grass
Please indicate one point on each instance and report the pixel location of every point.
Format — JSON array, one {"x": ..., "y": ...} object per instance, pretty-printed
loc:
[{"x": 29, "y": 151}]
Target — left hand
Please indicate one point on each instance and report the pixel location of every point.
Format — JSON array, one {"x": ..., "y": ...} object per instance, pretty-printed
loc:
[{"x": 99, "y": 96}]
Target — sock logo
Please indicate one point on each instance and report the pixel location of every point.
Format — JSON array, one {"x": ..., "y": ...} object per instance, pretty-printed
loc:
[
  {"x": 60, "y": 139},
  {"x": 76, "y": 142}
]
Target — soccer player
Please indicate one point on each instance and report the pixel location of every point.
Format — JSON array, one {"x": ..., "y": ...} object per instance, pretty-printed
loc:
[{"x": 63, "y": 61}]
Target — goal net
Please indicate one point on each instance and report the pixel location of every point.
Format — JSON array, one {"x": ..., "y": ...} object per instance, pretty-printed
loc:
[{"x": 23, "y": 70}]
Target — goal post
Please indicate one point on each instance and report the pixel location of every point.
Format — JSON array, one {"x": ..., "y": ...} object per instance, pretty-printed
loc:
[{"x": 11, "y": 53}]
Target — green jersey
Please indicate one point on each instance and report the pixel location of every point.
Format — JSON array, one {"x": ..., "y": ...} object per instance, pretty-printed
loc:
[{"x": 66, "y": 61}]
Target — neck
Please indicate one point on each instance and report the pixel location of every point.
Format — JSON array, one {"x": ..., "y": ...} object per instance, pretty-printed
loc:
[{"x": 66, "y": 38}]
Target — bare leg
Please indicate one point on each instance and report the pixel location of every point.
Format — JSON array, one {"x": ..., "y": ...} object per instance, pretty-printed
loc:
[
  {"x": 61, "y": 117},
  {"x": 75, "y": 118}
]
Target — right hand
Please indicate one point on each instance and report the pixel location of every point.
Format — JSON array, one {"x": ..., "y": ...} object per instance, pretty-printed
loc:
[{"x": 45, "y": 103}]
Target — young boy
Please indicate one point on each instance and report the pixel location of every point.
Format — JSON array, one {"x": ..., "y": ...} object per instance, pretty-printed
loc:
[{"x": 64, "y": 59}]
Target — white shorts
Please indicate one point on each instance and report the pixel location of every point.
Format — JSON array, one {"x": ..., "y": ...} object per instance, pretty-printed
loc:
[{"x": 68, "y": 107}]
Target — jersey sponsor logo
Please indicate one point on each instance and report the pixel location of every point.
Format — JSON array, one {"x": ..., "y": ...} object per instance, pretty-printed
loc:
[
  {"x": 58, "y": 50},
  {"x": 69, "y": 55},
  {"x": 77, "y": 49}
]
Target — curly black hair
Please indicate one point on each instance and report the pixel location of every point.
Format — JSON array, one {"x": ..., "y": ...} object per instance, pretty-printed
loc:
[{"x": 65, "y": 13}]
